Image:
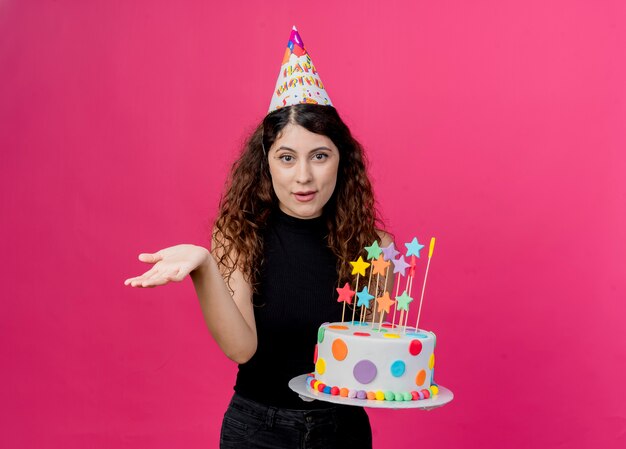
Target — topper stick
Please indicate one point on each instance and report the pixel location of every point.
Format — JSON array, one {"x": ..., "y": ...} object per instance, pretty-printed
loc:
[
  {"x": 410, "y": 289},
  {"x": 382, "y": 315},
  {"x": 369, "y": 287},
  {"x": 386, "y": 277},
  {"x": 343, "y": 312},
  {"x": 413, "y": 262},
  {"x": 384, "y": 306},
  {"x": 393, "y": 323},
  {"x": 376, "y": 293},
  {"x": 409, "y": 285},
  {"x": 430, "y": 255},
  {"x": 356, "y": 289}
]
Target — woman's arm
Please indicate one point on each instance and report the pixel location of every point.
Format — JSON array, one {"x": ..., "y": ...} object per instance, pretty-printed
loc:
[{"x": 230, "y": 318}]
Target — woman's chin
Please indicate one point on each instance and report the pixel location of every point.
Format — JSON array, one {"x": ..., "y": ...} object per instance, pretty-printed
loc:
[{"x": 304, "y": 212}]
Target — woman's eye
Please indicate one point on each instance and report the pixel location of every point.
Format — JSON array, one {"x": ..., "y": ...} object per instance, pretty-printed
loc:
[
  {"x": 320, "y": 156},
  {"x": 286, "y": 158}
]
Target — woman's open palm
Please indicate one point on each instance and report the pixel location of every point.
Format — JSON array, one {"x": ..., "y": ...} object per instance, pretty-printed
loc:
[{"x": 171, "y": 264}]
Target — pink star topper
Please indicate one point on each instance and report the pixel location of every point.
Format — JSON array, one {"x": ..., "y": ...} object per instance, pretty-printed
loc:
[{"x": 345, "y": 294}]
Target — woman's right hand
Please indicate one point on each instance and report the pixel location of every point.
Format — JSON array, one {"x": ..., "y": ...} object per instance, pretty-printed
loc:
[{"x": 171, "y": 264}]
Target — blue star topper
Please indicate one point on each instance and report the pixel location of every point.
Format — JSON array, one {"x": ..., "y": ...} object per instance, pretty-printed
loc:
[
  {"x": 364, "y": 298},
  {"x": 413, "y": 248}
]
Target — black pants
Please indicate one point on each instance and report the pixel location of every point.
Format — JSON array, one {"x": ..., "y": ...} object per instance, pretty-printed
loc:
[{"x": 248, "y": 424}]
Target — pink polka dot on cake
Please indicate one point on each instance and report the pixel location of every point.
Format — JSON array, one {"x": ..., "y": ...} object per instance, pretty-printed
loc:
[
  {"x": 361, "y": 334},
  {"x": 315, "y": 355},
  {"x": 415, "y": 347}
]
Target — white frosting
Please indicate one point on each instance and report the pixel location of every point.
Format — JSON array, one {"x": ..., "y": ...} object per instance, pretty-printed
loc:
[{"x": 382, "y": 351}]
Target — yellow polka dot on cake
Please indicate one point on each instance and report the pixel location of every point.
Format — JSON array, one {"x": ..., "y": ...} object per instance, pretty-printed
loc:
[
  {"x": 320, "y": 366},
  {"x": 391, "y": 336}
]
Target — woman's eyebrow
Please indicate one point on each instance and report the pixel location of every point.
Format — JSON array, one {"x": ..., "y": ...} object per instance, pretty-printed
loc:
[{"x": 282, "y": 147}]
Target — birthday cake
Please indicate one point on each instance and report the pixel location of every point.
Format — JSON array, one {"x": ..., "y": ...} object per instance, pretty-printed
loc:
[
  {"x": 369, "y": 358},
  {"x": 364, "y": 362}
]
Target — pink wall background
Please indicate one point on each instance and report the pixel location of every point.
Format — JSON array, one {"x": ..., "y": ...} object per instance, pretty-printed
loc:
[{"x": 497, "y": 126}]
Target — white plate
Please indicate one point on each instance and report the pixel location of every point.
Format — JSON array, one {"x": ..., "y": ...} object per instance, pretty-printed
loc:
[{"x": 299, "y": 385}]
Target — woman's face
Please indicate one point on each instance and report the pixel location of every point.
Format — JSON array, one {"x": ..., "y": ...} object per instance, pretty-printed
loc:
[{"x": 303, "y": 166}]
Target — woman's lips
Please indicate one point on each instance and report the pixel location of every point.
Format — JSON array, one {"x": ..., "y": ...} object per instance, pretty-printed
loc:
[{"x": 304, "y": 197}]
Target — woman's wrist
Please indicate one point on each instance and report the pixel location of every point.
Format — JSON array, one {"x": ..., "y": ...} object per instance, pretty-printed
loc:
[{"x": 203, "y": 267}]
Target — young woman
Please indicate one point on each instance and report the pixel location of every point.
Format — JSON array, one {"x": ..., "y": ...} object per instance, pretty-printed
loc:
[{"x": 298, "y": 207}]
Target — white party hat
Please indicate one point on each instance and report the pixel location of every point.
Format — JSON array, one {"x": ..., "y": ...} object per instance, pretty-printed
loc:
[{"x": 298, "y": 81}]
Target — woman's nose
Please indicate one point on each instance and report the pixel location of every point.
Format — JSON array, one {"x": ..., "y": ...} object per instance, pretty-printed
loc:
[{"x": 304, "y": 174}]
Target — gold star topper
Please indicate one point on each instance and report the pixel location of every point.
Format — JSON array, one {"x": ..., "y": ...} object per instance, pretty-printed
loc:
[{"x": 359, "y": 266}]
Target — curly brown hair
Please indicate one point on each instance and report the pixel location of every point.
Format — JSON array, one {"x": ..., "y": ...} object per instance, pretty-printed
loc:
[{"x": 249, "y": 199}]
